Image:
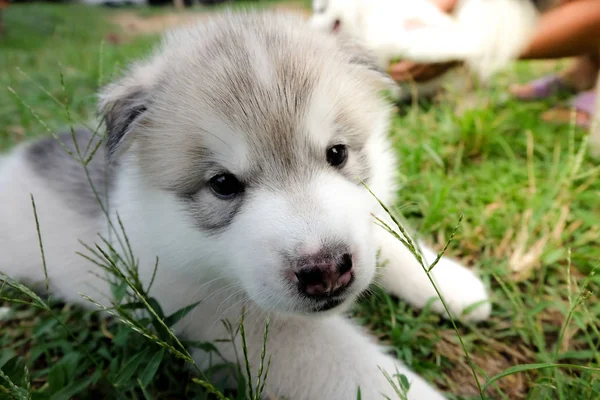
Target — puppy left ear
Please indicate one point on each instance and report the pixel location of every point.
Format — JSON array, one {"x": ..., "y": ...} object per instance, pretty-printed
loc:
[{"x": 123, "y": 104}]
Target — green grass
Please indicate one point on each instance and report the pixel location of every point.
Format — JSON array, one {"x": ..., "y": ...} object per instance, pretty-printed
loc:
[{"x": 529, "y": 196}]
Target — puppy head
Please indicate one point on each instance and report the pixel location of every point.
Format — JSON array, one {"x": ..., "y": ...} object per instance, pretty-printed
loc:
[
  {"x": 256, "y": 136},
  {"x": 337, "y": 16}
]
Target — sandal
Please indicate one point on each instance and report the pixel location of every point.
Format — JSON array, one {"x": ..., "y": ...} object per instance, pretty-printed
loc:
[
  {"x": 540, "y": 88},
  {"x": 584, "y": 105}
]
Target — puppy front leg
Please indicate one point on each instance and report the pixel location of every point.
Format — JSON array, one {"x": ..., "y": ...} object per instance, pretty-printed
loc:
[
  {"x": 324, "y": 358},
  {"x": 403, "y": 276}
]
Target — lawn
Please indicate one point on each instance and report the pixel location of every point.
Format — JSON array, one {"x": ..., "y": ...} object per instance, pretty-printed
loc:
[{"x": 528, "y": 193}]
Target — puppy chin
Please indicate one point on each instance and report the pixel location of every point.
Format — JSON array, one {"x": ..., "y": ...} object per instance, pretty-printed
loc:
[
  {"x": 337, "y": 307},
  {"x": 321, "y": 310},
  {"x": 318, "y": 309}
]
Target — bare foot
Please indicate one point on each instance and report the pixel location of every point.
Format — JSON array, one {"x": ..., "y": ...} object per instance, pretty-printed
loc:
[
  {"x": 565, "y": 115},
  {"x": 582, "y": 75},
  {"x": 581, "y": 111},
  {"x": 540, "y": 88}
]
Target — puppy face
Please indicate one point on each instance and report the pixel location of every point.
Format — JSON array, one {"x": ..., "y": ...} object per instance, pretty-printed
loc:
[
  {"x": 258, "y": 134},
  {"x": 337, "y": 16}
]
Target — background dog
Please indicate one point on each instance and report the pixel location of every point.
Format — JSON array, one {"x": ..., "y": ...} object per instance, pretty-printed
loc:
[{"x": 485, "y": 34}]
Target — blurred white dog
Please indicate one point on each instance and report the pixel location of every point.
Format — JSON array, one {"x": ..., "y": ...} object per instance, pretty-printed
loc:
[{"x": 485, "y": 34}]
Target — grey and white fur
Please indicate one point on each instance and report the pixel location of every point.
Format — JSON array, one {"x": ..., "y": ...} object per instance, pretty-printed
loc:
[{"x": 234, "y": 155}]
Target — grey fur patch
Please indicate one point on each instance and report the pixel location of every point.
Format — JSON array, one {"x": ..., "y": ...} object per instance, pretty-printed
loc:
[
  {"x": 202, "y": 206},
  {"x": 66, "y": 176},
  {"x": 199, "y": 201}
]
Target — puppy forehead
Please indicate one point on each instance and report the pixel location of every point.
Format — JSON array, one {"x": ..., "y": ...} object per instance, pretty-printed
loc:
[{"x": 249, "y": 94}]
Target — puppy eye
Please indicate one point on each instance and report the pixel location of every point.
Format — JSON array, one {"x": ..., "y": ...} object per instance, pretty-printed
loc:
[
  {"x": 336, "y": 25},
  {"x": 337, "y": 155},
  {"x": 225, "y": 186}
]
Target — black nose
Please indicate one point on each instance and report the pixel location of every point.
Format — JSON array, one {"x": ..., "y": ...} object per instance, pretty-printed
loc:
[{"x": 322, "y": 277}]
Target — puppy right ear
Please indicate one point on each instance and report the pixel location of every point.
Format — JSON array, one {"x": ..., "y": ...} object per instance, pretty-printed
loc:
[
  {"x": 361, "y": 56},
  {"x": 123, "y": 104}
]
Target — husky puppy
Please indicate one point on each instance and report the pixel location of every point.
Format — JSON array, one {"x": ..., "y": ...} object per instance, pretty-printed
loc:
[
  {"x": 235, "y": 154},
  {"x": 486, "y": 34}
]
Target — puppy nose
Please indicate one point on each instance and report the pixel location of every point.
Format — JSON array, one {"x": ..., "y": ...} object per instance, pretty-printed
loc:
[{"x": 322, "y": 277}]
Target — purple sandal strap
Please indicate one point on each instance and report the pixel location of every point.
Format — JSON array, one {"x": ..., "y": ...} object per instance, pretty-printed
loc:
[
  {"x": 545, "y": 87},
  {"x": 585, "y": 102}
]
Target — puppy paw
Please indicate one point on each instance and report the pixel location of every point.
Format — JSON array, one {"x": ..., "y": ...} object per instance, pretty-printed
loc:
[{"x": 464, "y": 292}]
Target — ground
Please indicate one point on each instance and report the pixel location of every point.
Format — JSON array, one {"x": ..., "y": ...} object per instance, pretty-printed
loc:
[{"x": 529, "y": 194}]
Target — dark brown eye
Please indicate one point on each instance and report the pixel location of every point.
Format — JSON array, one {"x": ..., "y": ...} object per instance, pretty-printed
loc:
[
  {"x": 336, "y": 25},
  {"x": 225, "y": 186},
  {"x": 337, "y": 155}
]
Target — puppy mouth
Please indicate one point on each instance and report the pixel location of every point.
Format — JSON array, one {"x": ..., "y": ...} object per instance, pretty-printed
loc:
[
  {"x": 334, "y": 299},
  {"x": 329, "y": 304}
]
